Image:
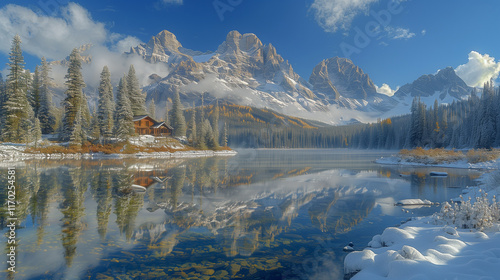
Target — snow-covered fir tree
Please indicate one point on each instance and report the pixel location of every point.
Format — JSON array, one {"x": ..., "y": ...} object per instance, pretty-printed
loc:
[
  {"x": 36, "y": 132},
  {"x": 215, "y": 122},
  {"x": 152, "y": 109},
  {"x": 77, "y": 136},
  {"x": 208, "y": 135},
  {"x": 224, "y": 136},
  {"x": 178, "y": 120},
  {"x": 124, "y": 125},
  {"x": 166, "y": 118},
  {"x": 35, "y": 92},
  {"x": 105, "y": 109},
  {"x": 16, "y": 109},
  {"x": 192, "y": 127},
  {"x": 74, "y": 96},
  {"x": 95, "y": 131},
  {"x": 137, "y": 99},
  {"x": 200, "y": 141},
  {"x": 46, "y": 113},
  {"x": 3, "y": 98}
]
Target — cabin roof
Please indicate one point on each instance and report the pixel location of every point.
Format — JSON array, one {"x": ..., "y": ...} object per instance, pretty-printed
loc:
[
  {"x": 156, "y": 124},
  {"x": 159, "y": 124},
  {"x": 140, "y": 117}
]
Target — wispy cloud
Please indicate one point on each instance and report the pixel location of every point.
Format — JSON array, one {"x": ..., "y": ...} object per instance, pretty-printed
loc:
[
  {"x": 479, "y": 69},
  {"x": 332, "y": 15},
  {"x": 423, "y": 32},
  {"x": 396, "y": 33}
]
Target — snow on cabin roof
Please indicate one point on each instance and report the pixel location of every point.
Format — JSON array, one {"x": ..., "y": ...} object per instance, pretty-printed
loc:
[
  {"x": 156, "y": 124},
  {"x": 138, "y": 118}
]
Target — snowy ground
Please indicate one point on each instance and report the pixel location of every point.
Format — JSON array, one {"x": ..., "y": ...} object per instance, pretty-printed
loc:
[
  {"x": 12, "y": 153},
  {"x": 395, "y": 160},
  {"x": 432, "y": 247}
]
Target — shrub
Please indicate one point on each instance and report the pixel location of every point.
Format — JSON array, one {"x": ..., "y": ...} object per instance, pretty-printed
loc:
[
  {"x": 431, "y": 156},
  {"x": 467, "y": 215},
  {"x": 482, "y": 155}
]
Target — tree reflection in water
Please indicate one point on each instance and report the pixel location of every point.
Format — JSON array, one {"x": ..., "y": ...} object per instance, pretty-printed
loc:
[{"x": 196, "y": 217}]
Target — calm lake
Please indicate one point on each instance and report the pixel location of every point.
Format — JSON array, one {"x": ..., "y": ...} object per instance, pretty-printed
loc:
[{"x": 263, "y": 214}]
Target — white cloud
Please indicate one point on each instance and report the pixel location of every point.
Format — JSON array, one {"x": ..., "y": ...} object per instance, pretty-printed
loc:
[
  {"x": 386, "y": 89},
  {"x": 424, "y": 32},
  {"x": 398, "y": 33},
  {"x": 124, "y": 45},
  {"x": 55, "y": 36},
  {"x": 52, "y": 37},
  {"x": 479, "y": 69},
  {"x": 334, "y": 14}
]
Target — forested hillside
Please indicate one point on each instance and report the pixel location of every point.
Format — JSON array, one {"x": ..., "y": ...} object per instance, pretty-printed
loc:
[{"x": 470, "y": 123}]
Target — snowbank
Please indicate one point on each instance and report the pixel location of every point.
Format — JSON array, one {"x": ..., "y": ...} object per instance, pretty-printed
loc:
[
  {"x": 16, "y": 153},
  {"x": 432, "y": 247},
  {"x": 420, "y": 249},
  {"x": 395, "y": 160},
  {"x": 416, "y": 201}
]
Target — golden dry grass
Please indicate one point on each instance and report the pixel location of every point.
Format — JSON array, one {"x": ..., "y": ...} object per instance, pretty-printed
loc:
[
  {"x": 436, "y": 156},
  {"x": 482, "y": 155},
  {"x": 118, "y": 148}
]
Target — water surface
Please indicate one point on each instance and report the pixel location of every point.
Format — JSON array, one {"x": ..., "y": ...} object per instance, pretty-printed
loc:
[{"x": 263, "y": 214}]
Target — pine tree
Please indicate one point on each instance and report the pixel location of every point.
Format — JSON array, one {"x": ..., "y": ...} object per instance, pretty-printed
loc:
[
  {"x": 77, "y": 135},
  {"x": 192, "y": 127},
  {"x": 166, "y": 118},
  {"x": 208, "y": 135},
  {"x": 95, "y": 132},
  {"x": 86, "y": 116},
  {"x": 3, "y": 99},
  {"x": 224, "y": 137},
  {"x": 215, "y": 122},
  {"x": 200, "y": 141},
  {"x": 35, "y": 92},
  {"x": 178, "y": 120},
  {"x": 152, "y": 109},
  {"x": 46, "y": 111},
  {"x": 36, "y": 133},
  {"x": 137, "y": 99},
  {"x": 28, "y": 85},
  {"x": 124, "y": 125},
  {"x": 105, "y": 113},
  {"x": 74, "y": 95},
  {"x": 16, "y": 108}
]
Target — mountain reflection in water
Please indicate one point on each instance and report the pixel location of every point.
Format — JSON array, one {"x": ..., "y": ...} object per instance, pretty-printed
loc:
[{"x": 278, "y": 214}]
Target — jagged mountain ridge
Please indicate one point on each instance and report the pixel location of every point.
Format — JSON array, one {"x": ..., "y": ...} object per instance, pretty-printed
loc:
[
  {"x": 445, "y": 86},
  {"x": 445, "y": 82},
  {"x": 242, "y": 70},
  {"x": 245, "y": 71}
]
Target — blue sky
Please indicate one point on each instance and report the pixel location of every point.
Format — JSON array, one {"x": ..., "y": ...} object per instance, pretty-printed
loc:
[{"x": 420, "y": 37}]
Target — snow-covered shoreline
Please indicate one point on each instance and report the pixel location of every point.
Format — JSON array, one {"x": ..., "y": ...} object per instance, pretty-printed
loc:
[
  {"x": 427, "y": 248},
  {"x": 16, "y": 153},
  {"x": 395, "y": 160}
]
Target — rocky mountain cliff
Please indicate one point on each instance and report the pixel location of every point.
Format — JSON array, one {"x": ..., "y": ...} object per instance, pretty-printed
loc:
[
  {"x": 444, "y": 84},
  {"x": 339, "y": 75},
  {"x": 245, "y": 71},
  {"x": 163, "y": 47},
  {"x": 242, "y": 70}
]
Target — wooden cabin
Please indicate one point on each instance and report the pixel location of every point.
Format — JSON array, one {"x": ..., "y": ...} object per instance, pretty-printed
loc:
[{"x": 145, "y": 125}]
